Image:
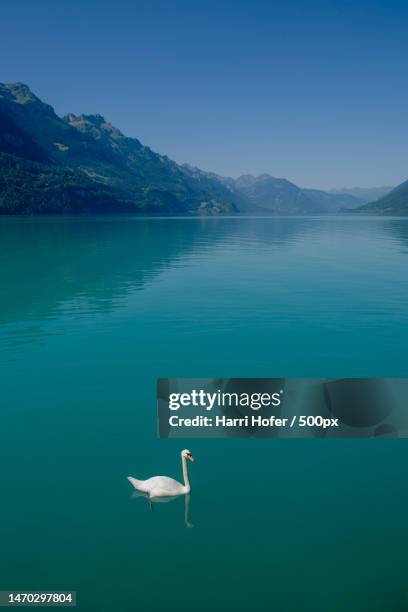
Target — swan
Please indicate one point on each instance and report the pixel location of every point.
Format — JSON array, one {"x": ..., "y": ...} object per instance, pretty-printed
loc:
[{"x": 163, "y": 486}]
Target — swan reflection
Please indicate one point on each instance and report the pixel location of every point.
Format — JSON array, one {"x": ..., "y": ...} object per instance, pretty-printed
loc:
[{"x": 166, "y": 500}]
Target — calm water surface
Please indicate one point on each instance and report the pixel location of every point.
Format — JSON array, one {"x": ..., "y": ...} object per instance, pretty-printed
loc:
[{"x": 93, "y": 310}]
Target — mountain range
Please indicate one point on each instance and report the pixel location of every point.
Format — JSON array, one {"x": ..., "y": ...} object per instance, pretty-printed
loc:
[
  {"x": 83, "y": 164},
  {"x": 393, "y": 203},
  {"x": 365, "y": 194}
]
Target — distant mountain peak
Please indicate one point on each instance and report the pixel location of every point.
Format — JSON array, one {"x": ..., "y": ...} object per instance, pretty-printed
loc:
[
  {"x": 18, "y": 92},
  {"x": 258, "y": 178},
  {"x": 18, "y": 87},
  {"x": 366, "y": 194},
  {"x": 249, "y": 180},
  {"x": 394, "y": 202},
  {"x": 96, "y": 124},
  {"x": 96, "y": 119},
  {"x": 20, "y": 95}
]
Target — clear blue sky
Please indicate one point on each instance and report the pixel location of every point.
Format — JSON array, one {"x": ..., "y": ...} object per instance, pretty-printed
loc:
[{"x": 316, "y": 92}]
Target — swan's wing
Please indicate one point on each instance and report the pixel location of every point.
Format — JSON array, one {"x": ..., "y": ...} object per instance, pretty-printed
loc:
[
  {"x": 163, "y": 486},
  {"x": 160, "y": 481}
]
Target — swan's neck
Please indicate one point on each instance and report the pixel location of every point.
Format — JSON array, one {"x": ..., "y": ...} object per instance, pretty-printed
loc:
[{"x": 185, "y": 474}]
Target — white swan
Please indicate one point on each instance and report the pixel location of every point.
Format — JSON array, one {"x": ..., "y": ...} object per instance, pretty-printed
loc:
[{"x": 163, "y": 486}]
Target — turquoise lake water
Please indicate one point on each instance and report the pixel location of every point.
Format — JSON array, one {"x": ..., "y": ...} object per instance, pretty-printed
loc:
[{"x": 93, "y": 310}]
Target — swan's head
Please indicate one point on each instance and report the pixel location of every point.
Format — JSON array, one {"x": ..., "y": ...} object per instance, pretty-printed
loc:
[{"x": 187, "y": 455}]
